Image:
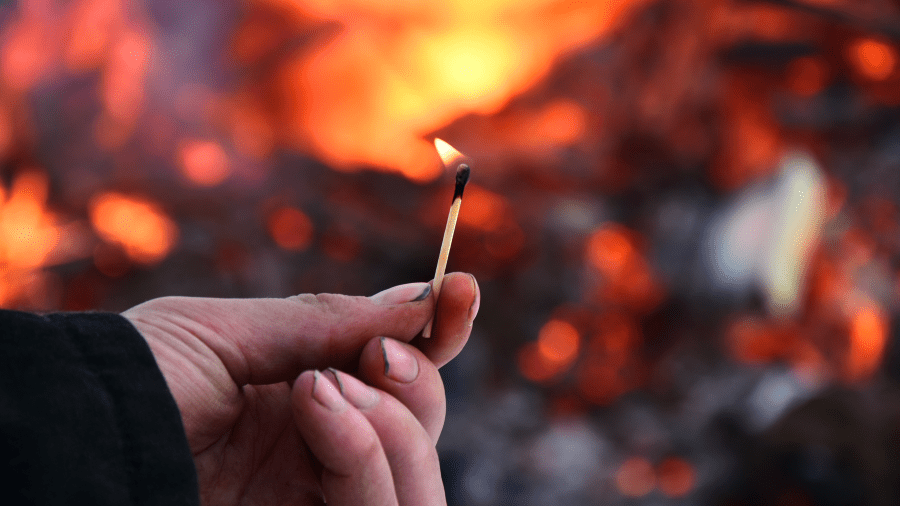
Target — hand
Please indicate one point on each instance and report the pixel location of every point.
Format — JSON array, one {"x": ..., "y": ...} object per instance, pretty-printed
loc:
[{"x": 262, "y": 435}]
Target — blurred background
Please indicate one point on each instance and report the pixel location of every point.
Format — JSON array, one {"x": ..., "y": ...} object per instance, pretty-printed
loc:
[{"x": 683, "y": 215}]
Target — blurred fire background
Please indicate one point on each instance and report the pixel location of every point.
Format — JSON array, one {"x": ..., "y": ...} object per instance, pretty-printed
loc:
[{"x": 683, "y": 215}]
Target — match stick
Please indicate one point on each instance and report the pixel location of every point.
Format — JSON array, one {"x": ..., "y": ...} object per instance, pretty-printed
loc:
[{"x": 462, "y": 177}]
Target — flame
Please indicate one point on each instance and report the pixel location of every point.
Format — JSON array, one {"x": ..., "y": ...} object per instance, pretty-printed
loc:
[
  {"x": 145, "y": 232},
  {"x": 400, "y": 70},
  {"x": 449, "y": 155},
  {"x": 31, "y": 237}
]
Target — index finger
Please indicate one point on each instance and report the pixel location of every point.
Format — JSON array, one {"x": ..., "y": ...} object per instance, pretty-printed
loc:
[{"x": 263, "y": 341}]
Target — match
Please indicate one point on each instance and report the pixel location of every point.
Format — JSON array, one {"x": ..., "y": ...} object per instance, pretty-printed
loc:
[{"x": 462, "y": 177}]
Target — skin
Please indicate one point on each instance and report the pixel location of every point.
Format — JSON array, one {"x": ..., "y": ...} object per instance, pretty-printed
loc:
[{"x": 267, "y": 427}]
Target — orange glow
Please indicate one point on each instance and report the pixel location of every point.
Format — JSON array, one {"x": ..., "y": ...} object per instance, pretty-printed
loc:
[
  {"x": 122, "y": 88},
  {"x": 873, "y": 59},
  {"x": 27, "y": 230},
  {"x": 868, "y": 337},
  {"x": 483, "y": 209},
  {"x": 535, "y": 366},
  {"x": 635, "y": 478},
  {"x": 136, "y": 224},
  {"x": 291, "y": 228},
  {"x": 92, "y": 24},
  {"x": 204, "y": 162},
  {"x": 609, "y": 249},
  {"x": 449, "y": 155},
  {"x": 24, "y": 56},
  {"x": 32, "y": 237},
  {"x": 561, "y": 123},
  {"x": 425, "y": 64},
  {"x": 676, "y": 477},
  {"x": 558, "y": 341}
]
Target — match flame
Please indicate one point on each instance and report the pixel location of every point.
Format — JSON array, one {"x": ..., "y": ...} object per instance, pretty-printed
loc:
[{"x": 449, "y": 155}]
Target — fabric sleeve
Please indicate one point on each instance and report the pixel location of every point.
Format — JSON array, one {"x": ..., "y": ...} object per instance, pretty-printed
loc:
[{"x": 86, "y": 416}]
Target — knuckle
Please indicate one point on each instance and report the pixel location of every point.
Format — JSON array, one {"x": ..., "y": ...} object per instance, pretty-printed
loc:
[{"x": 303, "y": 298}]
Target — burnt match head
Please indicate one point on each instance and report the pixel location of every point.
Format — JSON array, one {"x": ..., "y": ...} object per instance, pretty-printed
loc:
[{"x": 462, "y": 177}]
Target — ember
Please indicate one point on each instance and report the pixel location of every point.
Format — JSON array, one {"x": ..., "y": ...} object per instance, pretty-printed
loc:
[{"x": 685, "y": 220}]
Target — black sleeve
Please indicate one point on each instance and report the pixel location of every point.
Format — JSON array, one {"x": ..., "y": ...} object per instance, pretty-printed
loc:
[{"x": 86, "y": 416}]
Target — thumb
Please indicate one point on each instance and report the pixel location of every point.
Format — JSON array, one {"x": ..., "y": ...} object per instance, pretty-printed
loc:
[{"x": 262, "y": 341}]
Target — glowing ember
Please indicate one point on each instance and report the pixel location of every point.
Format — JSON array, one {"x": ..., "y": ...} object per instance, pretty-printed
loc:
[
  {"x": 558, "y": 342},
  {"x": 291, "y": 228},
  {"x": 868, "y": 337},
  {"x": 138, "y": 225},
  {"x": 873, "y": 59},
  {"x": 204, "y": 162},
  {"x": 609, "y": 249}
]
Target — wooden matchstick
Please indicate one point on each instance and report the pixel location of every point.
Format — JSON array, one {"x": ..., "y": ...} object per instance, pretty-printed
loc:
[{"x": 462, "y": 177}]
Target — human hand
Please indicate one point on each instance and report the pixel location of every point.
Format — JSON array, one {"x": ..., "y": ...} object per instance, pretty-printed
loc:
[{"x": 261, "y": 434}]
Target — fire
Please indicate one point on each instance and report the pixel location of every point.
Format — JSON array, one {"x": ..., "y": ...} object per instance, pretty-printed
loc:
[
  {"x": 145, "y": 232},
  {"x": 31, "y": 238},
  {"x": 28, "y": 230},
  {"x": 449, "y": 155},
  {"x": 399, "y": 71}
]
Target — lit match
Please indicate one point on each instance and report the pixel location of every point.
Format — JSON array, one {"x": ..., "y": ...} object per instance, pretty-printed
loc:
[{"x": 449, "y": 155}]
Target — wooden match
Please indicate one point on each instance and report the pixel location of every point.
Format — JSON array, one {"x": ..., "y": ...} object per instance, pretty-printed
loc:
[{"x": 462, "y": 177}]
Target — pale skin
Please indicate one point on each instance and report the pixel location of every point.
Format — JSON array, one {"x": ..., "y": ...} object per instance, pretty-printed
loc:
[{"x": 287, "y": 402}]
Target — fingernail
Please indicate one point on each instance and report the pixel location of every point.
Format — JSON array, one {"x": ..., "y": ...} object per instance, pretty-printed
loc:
[
  {"x": 410, "y": 292},
  {"x": 399, "y": 364},
  {"x": 358, "y": 393},
  {"x": 325, "y": 393},
  {"x": 473, "y": 310}
]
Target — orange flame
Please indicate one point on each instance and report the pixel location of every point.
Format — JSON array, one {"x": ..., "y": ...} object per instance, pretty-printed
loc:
[
  {"x": 32, "y": 237},
  {"x": 449, "y": 155},
  {"x": 401, "y": 70}
]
